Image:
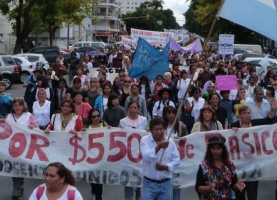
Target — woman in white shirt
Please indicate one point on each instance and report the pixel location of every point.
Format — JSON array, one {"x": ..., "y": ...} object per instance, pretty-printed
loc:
[
  {"x": 194, "y": 103},
  {"x": 42, "y": 109},
  {"x": 182, "y": 85},
  {"x": 84, "y": 78},
  {"x": 164, "y": 101},
  {"x": 59, "y": 184}
]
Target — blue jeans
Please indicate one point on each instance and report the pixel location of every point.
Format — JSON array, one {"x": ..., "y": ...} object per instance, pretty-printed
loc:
[
  {"x": 176, "y": 193},
  {"x": 155, "y": 191}
]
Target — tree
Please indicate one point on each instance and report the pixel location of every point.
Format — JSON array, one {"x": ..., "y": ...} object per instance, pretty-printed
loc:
[
  {"x": 156, "y": 13},
  {"x": 199, "y": 18},
  {"x": 33, "y": 16}
]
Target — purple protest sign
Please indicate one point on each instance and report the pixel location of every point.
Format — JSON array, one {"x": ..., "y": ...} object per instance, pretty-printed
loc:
[{"x": 227, "y": 82}]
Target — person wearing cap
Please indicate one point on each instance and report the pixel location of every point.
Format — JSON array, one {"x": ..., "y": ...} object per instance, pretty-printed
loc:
[
  {"x": 157, "y": 169},
  {"x": 216, "y": 177},
  {"x": 30, "y": 82},
  {"x": 246, "y": 122},
  {"x": 164, "y": 101}
]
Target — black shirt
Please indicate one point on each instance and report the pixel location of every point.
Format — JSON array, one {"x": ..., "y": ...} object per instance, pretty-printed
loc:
[{"x": 221, "y": 115}]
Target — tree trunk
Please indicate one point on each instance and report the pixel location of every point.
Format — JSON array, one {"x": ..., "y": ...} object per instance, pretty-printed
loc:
[
  {"x": 18, "y": 45},
  {"x": 51, "y": 37}
]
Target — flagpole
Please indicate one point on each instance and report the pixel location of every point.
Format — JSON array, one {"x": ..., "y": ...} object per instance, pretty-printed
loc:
[{"x": 197, "y": 65}]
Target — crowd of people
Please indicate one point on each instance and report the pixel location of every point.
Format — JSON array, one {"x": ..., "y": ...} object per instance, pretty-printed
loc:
[{"x": 84, "y": 101}]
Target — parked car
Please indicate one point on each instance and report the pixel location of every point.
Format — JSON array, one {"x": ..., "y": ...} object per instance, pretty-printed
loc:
[
  {"x": 87, "y": 44},
  {"x": 86, "y": 49},
  {"x": 49, "y": 52},
  {"x": 254, "y": 55},
  {"x": 10, "y": 70},
  {"x": 36, "y": 60},
  {"x": 27, "y": 67}
]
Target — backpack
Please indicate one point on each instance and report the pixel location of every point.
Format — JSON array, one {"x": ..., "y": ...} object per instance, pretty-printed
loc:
[{"x": 70, "y": 193}]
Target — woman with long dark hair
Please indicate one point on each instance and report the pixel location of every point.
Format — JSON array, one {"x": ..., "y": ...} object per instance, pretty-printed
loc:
[
  {"x": 216, "y": 177},
  {"x": 220, "y": 112},
  {"x": 145, "y": 92}
]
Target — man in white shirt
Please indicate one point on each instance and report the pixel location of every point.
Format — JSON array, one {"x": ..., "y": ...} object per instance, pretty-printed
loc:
[
  {"x": 258, "y": 105},
  {"x": 157, "y": 183}
]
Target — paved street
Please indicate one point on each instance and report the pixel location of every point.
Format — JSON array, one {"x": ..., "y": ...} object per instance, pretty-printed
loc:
[{"x": 266, "y": 189}]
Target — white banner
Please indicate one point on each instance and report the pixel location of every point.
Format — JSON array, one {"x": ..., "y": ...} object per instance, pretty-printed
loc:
[
  {"x": 226, "y": 44},
  {"x": 155, "y": 38},
  {"x": 128, "y": 41},
  {"x": 112, "y": 156}
]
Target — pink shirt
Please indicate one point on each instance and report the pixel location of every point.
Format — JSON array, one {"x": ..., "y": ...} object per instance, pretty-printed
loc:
[{"x": 84, "y": 110}]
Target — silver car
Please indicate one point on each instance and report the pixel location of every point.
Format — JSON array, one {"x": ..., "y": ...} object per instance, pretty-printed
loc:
[{"x": 27, "y": 67}]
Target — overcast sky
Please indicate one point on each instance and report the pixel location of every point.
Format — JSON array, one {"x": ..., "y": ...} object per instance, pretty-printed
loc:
[{"x": 178, "y": 7}]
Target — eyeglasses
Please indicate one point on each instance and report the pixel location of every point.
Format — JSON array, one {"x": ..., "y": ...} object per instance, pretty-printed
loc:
[
  {"x": 65, "y": 105},
  {"x": 127, "y": 81},
  {"x": 94, "y": 116}
]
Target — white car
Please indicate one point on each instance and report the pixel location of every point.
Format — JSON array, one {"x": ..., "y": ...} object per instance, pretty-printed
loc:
[
  {"x": 36, "y": 60},
  {"x": 27, "y": 67},
  {"x": 87, "y": 44}
]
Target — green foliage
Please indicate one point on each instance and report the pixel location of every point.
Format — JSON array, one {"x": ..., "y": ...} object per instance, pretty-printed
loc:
[
  {"x": 37, "y": 16},
  {"x": 199, "y": 18},
  {"x": 156, "y": 13}
]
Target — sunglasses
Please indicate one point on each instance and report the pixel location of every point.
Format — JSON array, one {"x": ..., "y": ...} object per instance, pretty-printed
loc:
[
  {"x": 127, "y": 81},
  {"x": 65, "y": 105},
  {"x": 94, "y": 116}
]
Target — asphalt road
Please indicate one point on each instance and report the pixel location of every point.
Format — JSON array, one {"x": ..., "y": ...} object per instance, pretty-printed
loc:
[{"x": 266, "y": 188}]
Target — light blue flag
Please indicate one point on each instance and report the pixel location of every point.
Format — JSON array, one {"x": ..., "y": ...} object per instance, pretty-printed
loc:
[
  {"x": 257, "y": 15},
  {"x": 149, "y": 61}
]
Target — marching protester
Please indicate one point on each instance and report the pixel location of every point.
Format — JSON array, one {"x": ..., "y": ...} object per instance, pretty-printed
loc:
[
  {"x": 20, "y": 115},
  {"x": 60, "y": 93},
  {"x": 145, "y": 92},
  {"x": 251, "y": 188},
  {"x": 94, "y": 121},
  {"x": 30, "y": 82},
  {"x": 164, "y": 101},
  {"x": 67, "y": 120},
  {"x": 157, "y": 175},
  {"x": 133, "y": 120},
  {"x": 81, "y": 108},
  {"x": 94, "y": 91},
  {"x": 220, "y": 112},
  {"x": 5, "y": 101},
  {"x": 77, "y": 87},
  {"x": 84, "y": 78},
  {"x": 42, "y": 109},
  {"x": 101, "y": 102},
  {"x": 216, "y": 176},
  {"x": 125, "y": 92},
  {"x": 135, "y": 96},
  {"x": 114, "y": 113},
  {"x": 59, "y": 184},
  {"x": 207, "y": 121}
]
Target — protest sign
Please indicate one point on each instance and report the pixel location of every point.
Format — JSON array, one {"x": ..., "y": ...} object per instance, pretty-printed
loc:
[
  {"x": 227, "y": 82},
  {"x": 128, "y": 41},
  {"x": 154, "y": 38},
  {"x": 113, "y": 157},
  {"x": 226, "y": 44},
  {"x": 149, "y": 61}
]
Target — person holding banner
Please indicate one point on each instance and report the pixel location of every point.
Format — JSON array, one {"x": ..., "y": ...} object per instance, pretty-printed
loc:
[
  {"x": 216, "y": 176},
  {"x": 59, "y": 184},
  {"x": 207, "y": 121},
  {"x": 246, "y": 122},
  {"x": 95, "y": 122},
  {"x": 19, "y": 114},
  {"x": 158, "y": 169},
  {"x": 67, "y": 120},
  {"x": 136, "y": 121},
  {"x": 102, "y": 100}
]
